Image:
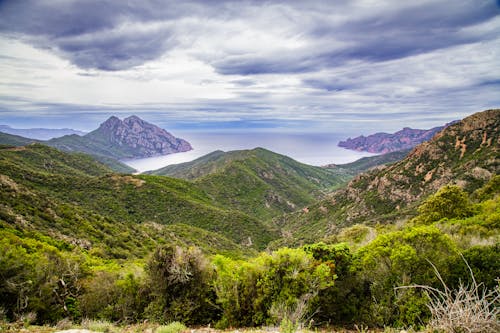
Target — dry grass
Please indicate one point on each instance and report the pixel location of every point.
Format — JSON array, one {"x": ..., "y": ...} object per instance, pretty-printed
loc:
[{"x": 470, "y": 309}]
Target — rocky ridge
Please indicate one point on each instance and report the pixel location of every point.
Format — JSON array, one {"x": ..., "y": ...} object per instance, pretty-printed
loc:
[
  {"x": 142, "y": 138},
  {"x": 466, "y": 153},
  {"x": 383, "y": 143}
]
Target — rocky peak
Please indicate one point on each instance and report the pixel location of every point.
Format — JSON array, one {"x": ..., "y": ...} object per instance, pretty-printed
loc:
[
  {"x": 111, "y": 123},
  {"x": 406, "y": 138},
  {"x": 138, "y": 138}
]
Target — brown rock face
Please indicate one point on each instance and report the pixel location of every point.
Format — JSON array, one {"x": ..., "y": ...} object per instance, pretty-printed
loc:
[
  {"x": 384, "y": 142},
  {"x": 138, "y": 138}
]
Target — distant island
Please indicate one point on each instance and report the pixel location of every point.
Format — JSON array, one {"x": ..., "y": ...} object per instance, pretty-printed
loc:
[{"x": 382, "y": 143}]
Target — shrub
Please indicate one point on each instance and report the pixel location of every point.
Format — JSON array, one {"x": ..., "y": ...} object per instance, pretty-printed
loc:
[
  {"x": 180, "y": 282},
  {"x": 449, "y": 202},
  {"x": 399, "y": 258},
  {"x": 270, "y": 288}
]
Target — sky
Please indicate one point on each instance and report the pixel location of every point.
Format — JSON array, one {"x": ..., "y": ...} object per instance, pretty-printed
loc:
[{"x": 346, "y": 66}]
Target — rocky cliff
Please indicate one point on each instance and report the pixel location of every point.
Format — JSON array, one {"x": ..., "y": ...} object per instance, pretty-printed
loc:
[
  {"x": 466, "y": 153},
  {"x": 123, "y": 139},
  {"x": 138, "y": 137},
  {"x": 383, "y": 143}
]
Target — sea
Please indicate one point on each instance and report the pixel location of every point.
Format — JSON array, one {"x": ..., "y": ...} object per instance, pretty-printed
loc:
[{"x": 317, "y": 149}]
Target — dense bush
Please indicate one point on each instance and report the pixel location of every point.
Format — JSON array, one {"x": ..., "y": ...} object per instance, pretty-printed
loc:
[
  {"x": 180, "y": 283},
  {"x": 268, "y": 287}
]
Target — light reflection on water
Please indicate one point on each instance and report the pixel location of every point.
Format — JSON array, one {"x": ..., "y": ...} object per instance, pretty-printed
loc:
[{"x": 314, "y": 149}]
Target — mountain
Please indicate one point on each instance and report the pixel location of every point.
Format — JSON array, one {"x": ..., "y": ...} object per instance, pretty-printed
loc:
[
  {"x": 258, "y": 182},
  {"x": 465, "y": 153},
  {"x": 127, "y": 139},
  {"x": 383, "y": 143},
  {"x": 39, "y": 133},
  {"x": 70, "y": 197}
]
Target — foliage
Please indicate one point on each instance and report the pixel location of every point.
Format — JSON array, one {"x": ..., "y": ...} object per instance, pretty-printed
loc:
[
  {"x": 180, "y": 282},
  {"x": 39, "y": 278},
  {"x": 258, "y": 182},
  {"x": 399, "y": 258},
  {"x": 449, "y": 202},
  {"x": 287, "y": 279}
]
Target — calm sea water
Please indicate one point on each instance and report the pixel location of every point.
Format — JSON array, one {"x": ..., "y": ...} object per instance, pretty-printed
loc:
[{"x": 314, "y": 149}]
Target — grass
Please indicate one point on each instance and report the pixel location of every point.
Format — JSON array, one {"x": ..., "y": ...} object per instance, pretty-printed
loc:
[{"x": 174, "y": 327}]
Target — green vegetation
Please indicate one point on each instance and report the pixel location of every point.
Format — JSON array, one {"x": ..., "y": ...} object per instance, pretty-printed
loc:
[
  {"x": 12, "y": 141},
  {"x": 81, "y": 244},
  {"x": 258, "y": 182}
]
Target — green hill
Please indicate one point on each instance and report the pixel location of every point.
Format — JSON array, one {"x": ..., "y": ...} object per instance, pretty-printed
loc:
[
  {"x": 69, "y": 143},
  {"x": 466, "y": 153},
  {"x": 14, "y": 140},
  {"x": 72, "y": 189},
  {"x": 258, "y": 182}
]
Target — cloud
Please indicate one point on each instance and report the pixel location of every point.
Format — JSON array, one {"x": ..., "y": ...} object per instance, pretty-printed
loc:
[
  {"x": 330, "y": 65},
  {"x": 242, "y": 37}
]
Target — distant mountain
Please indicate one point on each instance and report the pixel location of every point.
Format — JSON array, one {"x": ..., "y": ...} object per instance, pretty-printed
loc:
[
  {"x": 383, "y": 143},
  {"x": 127, "y": 139},
  {"x": 258, "y": 182},
  {"x": 466, "y": 153},
  {"x": 39, "y": 133}
]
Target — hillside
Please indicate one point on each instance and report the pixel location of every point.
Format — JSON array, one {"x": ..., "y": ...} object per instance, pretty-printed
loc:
[
  {"x": 465, "y": 153},
  {"x": 258, "y": 182},
  {"x": 18, "y": 141},
  {"x": 73, "y": 192},
  {"x": 406, "y": 138},
  {"x": 14, "y": 140}
]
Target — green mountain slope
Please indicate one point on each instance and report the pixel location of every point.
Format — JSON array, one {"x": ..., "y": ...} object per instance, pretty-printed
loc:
[
  {"x": 465, "y": 153},
  {"x": 14, "y": 140},
  {"x": 83, "y": 187},
  {"x": 258, "y": 182},
  {"x": 70, "y": 143},
  {"x": 104, "y": 154}
]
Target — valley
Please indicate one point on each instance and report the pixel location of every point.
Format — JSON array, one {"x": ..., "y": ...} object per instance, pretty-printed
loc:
[{"x": 245, "y": 238}]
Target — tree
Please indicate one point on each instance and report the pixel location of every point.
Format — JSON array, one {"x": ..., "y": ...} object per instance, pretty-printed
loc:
[{"x": 449, "y": 202}]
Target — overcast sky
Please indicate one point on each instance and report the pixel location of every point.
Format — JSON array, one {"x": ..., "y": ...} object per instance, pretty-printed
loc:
[{"x": 339, "y": 65}]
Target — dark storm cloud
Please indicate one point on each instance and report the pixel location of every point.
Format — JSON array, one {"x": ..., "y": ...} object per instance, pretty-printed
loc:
[
  {"x": 115, "y": 35},
  {"x": 106, "y": 35},
  {"x": 400, "y": 32}
]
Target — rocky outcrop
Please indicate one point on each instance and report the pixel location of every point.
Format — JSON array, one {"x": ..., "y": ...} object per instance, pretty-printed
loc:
[
  {"x": 138, "y": 138},
  {"x": 383, "y": 143},
  {"x": 466, "y": 153}
]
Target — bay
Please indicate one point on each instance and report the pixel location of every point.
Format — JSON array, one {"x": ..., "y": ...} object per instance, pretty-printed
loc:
[{"x": 309, "y": 148}]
